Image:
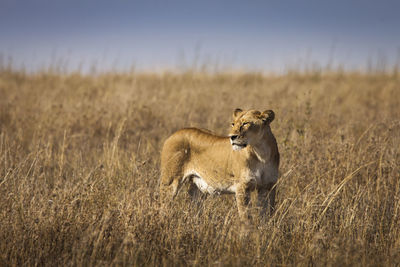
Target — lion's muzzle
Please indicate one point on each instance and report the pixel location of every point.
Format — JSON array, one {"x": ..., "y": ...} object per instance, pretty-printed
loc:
[{"x": 236, "y": 144}]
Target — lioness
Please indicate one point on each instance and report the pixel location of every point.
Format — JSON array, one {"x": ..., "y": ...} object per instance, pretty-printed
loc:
[{"x": 246, "y": 160}]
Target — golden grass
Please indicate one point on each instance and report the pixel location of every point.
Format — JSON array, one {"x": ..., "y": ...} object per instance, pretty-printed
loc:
[{"x": 79, "y": 169}]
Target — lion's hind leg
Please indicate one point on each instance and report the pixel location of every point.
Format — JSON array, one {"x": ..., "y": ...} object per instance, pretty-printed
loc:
[
  {"x": 172, "y": 170},
  {"x": 169, "y": 192}
]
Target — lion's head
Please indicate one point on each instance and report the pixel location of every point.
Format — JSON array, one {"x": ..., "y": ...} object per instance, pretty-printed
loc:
[{"x": 248, "y": 127}]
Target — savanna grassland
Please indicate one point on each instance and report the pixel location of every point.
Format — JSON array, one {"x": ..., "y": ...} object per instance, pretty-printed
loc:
[{"x": 79, "y": 169}]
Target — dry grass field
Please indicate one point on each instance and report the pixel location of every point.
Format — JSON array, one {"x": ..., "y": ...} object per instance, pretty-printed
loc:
[{"x": 79, "y": 169}]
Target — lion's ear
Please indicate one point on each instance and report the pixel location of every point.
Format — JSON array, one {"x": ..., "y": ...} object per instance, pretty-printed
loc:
[
  {"x": 236, "y": 112},
  {"x": 268, "y": 116}
]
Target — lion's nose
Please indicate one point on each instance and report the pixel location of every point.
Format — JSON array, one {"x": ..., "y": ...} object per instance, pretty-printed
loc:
[{"x": 233, "y": 137}]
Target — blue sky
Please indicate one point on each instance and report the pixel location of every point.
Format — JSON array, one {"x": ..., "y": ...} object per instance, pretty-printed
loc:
[{"x": 157, "y": 35}]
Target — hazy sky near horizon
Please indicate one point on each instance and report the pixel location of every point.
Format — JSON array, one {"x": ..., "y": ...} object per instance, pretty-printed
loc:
[{"x": 156, "y": 35}]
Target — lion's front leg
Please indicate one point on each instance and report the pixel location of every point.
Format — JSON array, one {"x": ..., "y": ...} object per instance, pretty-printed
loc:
[
  {"x": 242, "y": 202},
  {"x": 272, "y": 193},
  {"x": 266, "y": 199}
]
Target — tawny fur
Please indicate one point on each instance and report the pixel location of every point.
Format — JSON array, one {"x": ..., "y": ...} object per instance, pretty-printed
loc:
[{"x": 247, "y": 160}]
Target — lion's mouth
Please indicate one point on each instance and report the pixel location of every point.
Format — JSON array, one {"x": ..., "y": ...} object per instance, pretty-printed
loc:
[{"x": 237, "y": 146}]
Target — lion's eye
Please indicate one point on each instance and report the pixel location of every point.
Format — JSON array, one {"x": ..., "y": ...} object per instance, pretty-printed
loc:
[{"x": 232, "y": 124}]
